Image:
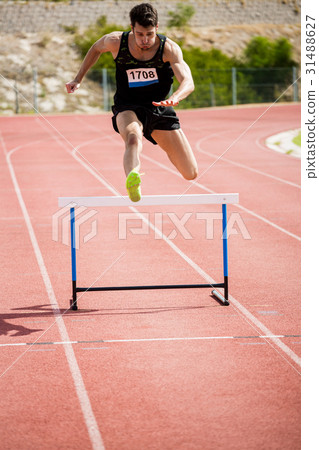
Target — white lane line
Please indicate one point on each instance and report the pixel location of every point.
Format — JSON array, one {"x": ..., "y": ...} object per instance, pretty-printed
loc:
[
  {"x": 42, "y": 350},
  {"x": 275, "y": 340},
  {"x": 96, "y": 348},
  {"x": 238, "y": 205},
  {"x": 243, "y": 166},
  {"x": 162, "y": 339},
  {"x": 62, "y": 139},
  {"x": 252, "y": 343},
  {"x": 235, "y": 141},
  {"x": 19, "y": 344},
  {"x": 201, "y": 272},
  {"x": 91, "y": 424}
]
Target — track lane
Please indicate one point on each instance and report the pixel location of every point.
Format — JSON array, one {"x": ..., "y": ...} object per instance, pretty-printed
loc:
[
  {"x": 279, "y": 277},
  {"x": 138, "y": 396},
  {"x": 11, "y": 366}
]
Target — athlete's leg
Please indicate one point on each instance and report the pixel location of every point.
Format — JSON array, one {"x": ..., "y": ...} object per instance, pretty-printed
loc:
[
  {"x": 179, "y": 151},
  {"x": 131, "y": 130}
]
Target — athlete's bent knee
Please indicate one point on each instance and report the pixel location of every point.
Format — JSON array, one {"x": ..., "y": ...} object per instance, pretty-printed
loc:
[
  {"x": 132, "y": 139},
  {"x": 191, "y": 174}
]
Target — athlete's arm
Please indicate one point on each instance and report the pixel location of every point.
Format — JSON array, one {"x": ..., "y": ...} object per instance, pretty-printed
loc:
[
  {"x": 108, "y": 43},
  {"x": 182, "y": 72}
]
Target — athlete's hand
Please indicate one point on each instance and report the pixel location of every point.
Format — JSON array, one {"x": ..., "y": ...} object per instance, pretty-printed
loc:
[
  {"x": 168, "y": 102},
  {"x": 72, "y": 86}
]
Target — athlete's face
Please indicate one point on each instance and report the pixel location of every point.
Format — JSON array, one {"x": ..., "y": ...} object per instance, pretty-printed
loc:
[{"x": 144, "y": 37}]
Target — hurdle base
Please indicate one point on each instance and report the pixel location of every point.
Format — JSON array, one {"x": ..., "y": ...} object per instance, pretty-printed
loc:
[
  {"x": 219, "y": 296},
  {"x": 160, "y": 286},
  {"x": 74, "y": 306}
]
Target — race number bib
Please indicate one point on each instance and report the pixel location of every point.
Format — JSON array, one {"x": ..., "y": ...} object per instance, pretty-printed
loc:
[{"x": 141, "y": 77}]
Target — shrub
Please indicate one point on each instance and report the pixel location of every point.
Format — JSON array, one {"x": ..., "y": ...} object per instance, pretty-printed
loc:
[
  {"x": 181, "y": 16},
  {"x": 84, "y": 42}
]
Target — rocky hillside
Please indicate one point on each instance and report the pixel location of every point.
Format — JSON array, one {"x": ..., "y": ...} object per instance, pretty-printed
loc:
[
  {"x": 45, "y": 15},
  {"x": 45, "y": 60}
]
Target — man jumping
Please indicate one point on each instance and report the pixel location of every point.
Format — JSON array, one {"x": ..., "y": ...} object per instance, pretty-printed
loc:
[{"x": 145, "y": 65}]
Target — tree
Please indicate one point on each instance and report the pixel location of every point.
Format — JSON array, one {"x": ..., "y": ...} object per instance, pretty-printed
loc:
[
  {"x": 261, "y": 52},
  {"x": 267, "y": 66}
]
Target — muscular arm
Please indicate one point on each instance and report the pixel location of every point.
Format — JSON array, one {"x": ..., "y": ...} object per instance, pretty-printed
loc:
[
  {"x": 174, "y": 55},
  {"x": 108, "y": 43}
]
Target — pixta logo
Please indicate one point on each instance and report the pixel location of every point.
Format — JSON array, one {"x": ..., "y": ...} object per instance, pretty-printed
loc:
[
  {"x": 83, "y": 222},
  {"x": 130, "y": 223}
]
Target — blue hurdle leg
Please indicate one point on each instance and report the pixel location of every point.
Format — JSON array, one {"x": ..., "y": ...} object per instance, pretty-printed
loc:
[
  {"x": 225, "y": 251},
  {"x": 224, "y": 299},
  {"x": 73, "y": 259}
]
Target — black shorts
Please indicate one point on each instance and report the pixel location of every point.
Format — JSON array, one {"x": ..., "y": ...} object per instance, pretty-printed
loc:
[{"x": 152, "y": 118}]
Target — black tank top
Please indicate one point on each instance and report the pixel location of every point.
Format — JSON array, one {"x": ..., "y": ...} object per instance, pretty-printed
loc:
[{"x": 141, "y": 82}]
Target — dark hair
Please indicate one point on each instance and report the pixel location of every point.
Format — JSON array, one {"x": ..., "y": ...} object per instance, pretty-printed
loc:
[{"x": 145, "y": 15}]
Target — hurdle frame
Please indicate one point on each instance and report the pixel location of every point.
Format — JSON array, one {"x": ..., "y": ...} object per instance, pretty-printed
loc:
[{"x": 120, "y": 201}]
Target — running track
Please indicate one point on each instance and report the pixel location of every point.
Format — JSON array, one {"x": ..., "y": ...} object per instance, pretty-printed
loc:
[{"x": 150, "y": 369}]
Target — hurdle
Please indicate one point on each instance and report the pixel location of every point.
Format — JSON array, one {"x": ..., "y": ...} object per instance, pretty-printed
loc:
[{"x": 151, "y": 200}]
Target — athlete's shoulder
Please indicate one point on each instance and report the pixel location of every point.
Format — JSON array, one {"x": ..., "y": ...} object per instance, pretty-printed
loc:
[
  {"x": 110, "y": 42},
  {"x": 170, "y": 44},
  {"x": 172, "y": 50}
]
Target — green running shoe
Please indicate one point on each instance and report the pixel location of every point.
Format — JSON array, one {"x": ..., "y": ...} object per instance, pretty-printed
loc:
[{"x": 133, "y": 182}]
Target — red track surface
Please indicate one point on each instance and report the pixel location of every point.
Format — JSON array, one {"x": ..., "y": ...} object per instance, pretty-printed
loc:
[{"x": 125, "y": 371}]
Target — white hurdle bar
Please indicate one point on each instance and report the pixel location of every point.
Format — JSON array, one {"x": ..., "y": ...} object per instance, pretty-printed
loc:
[{"x": 150, "y": 200}]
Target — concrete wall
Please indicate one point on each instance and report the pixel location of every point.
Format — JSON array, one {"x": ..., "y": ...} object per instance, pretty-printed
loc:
[{"x": 36, "y": 16}]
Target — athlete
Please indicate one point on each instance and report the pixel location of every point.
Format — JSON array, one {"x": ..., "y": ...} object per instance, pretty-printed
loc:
[{"x": 145, "y": 65}]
